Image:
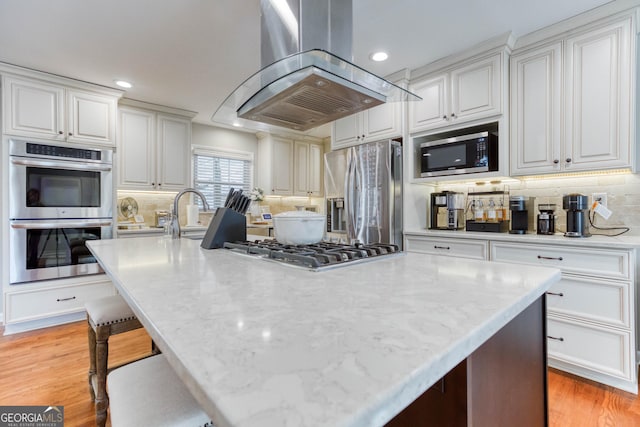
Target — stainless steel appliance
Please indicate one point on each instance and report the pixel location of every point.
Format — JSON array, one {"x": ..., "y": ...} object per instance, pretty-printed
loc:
[
  {"x": 473, "y": 153},
  {"x": 336, "y": 217},
  {"x": 547, "y": 219},
  {"x": 577, "y": 207},
  {"x": 52, "y": 249},
  {"x": 369, "y": 179},
  {"x": 447, "y": 211},
  {"x": 316, "y": 257},
  {"x": 59, "y": 181},
  {"x": 60, "y": 196},
  {"x": 306, "y": 79},
  {"x": 522, "y": 214}
]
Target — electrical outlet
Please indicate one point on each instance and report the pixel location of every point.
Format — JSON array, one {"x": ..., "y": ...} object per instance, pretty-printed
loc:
[{"x": 600, "y": 197}]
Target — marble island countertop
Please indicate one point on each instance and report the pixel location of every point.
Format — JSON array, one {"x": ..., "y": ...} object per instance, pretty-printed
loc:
[{"x": 260, "y": 343}]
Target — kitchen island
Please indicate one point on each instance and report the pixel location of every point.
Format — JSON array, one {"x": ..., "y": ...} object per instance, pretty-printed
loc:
[{"x": 261, "y": 343}]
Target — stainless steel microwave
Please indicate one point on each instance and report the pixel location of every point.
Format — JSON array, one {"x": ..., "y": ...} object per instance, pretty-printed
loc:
[{"x": 473, "y": 153}]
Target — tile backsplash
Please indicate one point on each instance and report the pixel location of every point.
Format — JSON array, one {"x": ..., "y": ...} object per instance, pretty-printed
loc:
[{"x": 622, "y": 190}]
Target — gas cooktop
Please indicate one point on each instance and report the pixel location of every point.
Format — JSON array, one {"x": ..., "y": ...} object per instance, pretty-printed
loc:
[{"x": 316, "y": 257}]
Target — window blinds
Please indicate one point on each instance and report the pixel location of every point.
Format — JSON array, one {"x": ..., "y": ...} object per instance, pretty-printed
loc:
[{"x": 215, "y": 173}]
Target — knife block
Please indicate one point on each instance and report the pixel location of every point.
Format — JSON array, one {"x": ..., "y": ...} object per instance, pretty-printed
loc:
[{"x": 226, "y": 225}]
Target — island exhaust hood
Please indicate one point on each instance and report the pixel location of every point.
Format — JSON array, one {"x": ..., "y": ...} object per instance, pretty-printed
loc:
[{"x": 305, "y": 82}]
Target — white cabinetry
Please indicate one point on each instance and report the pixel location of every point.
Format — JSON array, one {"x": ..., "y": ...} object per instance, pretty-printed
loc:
[
  {"x": 591, "y": 311},
  {"x": 571, "y": 101},
  {"x": 308, "y": 169},
  {"x": 288, "y": 167},
  {"x": 33, "y": 302},
  {"x": 468, "y": 91},
  {"x": 153, "y": 150},
  {"x": 377, "y": 123},
  {"x": 42, "y": 109},
  {"x": 462, "y": 248}
]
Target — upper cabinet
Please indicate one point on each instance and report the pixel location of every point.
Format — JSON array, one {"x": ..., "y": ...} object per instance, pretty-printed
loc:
[
  {"x": 381, "y": 122},
  {"x": 470, "y": 90},
  {"x": 154, "y": 150},
  {"x": 41, "y": 109},
  {"x": 571, "y": 100},
  {"x": 288, "y": 167}
]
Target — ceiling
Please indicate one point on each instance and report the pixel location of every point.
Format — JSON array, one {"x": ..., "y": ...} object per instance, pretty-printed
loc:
[{"x": 191, "y": 54}]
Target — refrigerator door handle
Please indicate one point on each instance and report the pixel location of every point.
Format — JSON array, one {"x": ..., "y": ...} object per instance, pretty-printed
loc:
[{"x": 350, "y": 196}]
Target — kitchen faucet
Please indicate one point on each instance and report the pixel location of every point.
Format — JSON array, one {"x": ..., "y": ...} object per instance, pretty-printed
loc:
[{"x": 174, "y": 226}]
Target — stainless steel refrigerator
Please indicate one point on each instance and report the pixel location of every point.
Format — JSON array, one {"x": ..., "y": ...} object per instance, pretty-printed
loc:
[{"x": 363, "y": 187}]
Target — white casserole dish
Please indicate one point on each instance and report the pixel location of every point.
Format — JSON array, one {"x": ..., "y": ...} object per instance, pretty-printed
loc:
[{"x": 298, "y": 227}]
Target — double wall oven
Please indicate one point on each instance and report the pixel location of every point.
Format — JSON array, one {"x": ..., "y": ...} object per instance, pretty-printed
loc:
[{"x": 60, "y": 196}]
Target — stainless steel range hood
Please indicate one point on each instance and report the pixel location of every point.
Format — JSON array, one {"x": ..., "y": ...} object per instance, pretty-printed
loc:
[{"x": 305, "y": 81}]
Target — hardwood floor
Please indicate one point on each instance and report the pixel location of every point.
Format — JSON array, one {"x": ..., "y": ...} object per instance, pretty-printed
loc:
[{"x": 49, "y": 367}]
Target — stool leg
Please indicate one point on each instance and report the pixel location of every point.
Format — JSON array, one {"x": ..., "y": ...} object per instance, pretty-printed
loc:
[
  {"x": 102, "y": 354},
  {"x": 92, "y": 358}
]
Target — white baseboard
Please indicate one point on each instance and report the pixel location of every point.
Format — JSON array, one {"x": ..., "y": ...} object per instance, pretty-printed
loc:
[{"x": 16, "y": 328}]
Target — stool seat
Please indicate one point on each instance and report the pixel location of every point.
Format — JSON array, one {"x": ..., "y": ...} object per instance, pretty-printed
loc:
[
  {"x": 105, "y": 317},
  {"x": 149, "y": 392}
]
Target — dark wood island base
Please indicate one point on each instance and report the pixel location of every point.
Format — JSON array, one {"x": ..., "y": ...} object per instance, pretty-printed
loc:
[{"x": 502, "y": 384}]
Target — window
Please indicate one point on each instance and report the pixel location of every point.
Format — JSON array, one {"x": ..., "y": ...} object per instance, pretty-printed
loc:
[{"x": 215, "y": 172}]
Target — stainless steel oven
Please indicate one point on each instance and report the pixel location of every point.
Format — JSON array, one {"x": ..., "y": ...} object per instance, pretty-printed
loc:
[
  {"x": 59, "y": 181},
  {"x": 52, "y": 249}
]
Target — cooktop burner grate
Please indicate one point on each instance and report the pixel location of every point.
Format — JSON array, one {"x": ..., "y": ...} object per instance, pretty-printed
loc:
[{"x": 315, "y": 256}]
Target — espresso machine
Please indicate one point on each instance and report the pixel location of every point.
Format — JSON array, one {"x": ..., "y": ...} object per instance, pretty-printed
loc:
[
  {"x": 577, "y": 207},
  {"x": 447, "y": 211},
  {"x": 522, "y": 214},
  {"x": 547, "y": 218}
]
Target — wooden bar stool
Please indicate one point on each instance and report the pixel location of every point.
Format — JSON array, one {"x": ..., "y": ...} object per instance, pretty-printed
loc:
[
  {"x": 149, "y": 393},
  {"x": 105, "y": 317}
]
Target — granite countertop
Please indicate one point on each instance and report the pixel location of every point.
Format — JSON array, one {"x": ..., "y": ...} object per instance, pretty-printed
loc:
[
  {"x": 261, "y": 343},
  {"x": 595, "y": 241}
]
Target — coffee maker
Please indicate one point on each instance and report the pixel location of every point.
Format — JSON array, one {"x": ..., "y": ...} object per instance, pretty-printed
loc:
[
  {"x": 447, "y": 211},
  {"x": 547, "y": 219},
  {"x": 577, "y": 207},
  {"x": 522, "y": 213}
]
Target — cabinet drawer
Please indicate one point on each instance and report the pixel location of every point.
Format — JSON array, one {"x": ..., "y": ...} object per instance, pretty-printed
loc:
[
  {"x": 53, "y": 301},
  {"x": 475, "y": 249},
  {"x": 594, "y": 262},
  {"x": 603, "y": 301},
  {"x": 599, "y": 349}
]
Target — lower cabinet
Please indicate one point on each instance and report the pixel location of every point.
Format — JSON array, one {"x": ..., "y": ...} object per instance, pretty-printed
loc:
[
  {"x": 28, "y": 302},
  {"x": 591, "y": 311}
]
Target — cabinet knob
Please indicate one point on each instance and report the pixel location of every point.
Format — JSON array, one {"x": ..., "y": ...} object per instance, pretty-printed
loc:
[
  {"x": 556, "y": 161},
  {"x": 453, "y": 114},
  {"x": 70, "y": 134},
  {"x": 60, "y": 132},
  {"x": 362, "y": 136},
  {"x": 568, "y": 160},
  {"x": 444, "y": 117},
  {"x": 153, "y": 184}
]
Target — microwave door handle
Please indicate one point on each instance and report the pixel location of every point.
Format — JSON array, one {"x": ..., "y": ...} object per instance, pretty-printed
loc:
[
  {"x": 43, "y": 225},
  {"x": 61, "y": 165}
]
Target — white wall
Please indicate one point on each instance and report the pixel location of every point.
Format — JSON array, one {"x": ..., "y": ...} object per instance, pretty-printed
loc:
[{"x": 224, "y": 138}]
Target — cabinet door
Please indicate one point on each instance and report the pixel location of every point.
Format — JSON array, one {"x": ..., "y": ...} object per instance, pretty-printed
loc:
[
  {"x": 536, "y": 111},
  {"x": 91, "y": 117},
  {"x": 136, "y": 152},
  {"x": 383, "y": 121},
  {"x": 33, "y": 108},
  {"x": 598, "y": 98},
  {"x": 476, "y": 89},
  {"x": 315, "y": 169},
  {"x": 301, "y": 169},
  {"x": 346, "y": 131},
  {"x": 173, "y": 153},
  {"x": 282, "y": 167},
  {"x": 433, "y": 110}
]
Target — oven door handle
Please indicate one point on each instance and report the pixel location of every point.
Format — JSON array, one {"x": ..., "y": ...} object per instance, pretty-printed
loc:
[
  {"x": 61, "y": 165},
  {"x": 43, "y": 225}
]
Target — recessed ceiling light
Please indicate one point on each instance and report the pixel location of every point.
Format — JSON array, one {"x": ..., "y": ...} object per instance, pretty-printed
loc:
[
  {"x": 237, "y": 124},
  {"x": 379, "y": 56},
  {"x": 123, "y": 84}
]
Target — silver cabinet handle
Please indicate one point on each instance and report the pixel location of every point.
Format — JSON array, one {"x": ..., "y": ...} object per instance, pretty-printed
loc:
[
  {"x": 65, "y": 299},
  {"x": 441, "y": 247},
  {"x": 558, "y": 294},
  {"x": 550, "y": 257},
  {"x": 555, "y": 338}
]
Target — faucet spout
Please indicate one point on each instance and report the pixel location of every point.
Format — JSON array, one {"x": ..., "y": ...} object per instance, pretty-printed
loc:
[{"x": 174, "y": 226}]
